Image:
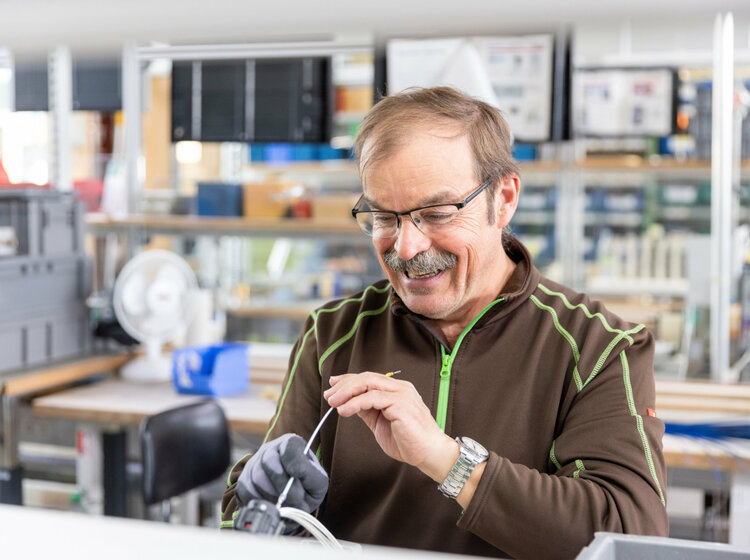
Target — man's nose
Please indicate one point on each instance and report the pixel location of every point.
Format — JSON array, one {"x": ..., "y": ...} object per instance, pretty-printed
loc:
[{"x": 410, "y": 240}]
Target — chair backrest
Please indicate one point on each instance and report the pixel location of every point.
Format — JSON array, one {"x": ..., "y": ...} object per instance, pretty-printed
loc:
[{"x": 183, "y": 448}]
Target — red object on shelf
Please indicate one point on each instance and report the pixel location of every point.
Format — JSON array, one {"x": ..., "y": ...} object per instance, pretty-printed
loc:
[
  {"x": 90, "y": 192},
  {"x": 3, "y": 175}
]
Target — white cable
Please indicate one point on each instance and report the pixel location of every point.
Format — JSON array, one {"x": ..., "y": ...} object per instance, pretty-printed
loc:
[
  {"x": 315, "y": 527},
  {"x": 285, "y": 492}
]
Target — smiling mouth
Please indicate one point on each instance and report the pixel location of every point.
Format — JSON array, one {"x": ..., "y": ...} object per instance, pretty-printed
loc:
[
  {"x": 421, "y": 266},
  {"x": 414, "y": 275}
]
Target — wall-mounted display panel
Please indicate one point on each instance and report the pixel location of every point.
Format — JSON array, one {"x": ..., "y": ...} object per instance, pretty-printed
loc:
[
  {"x": 264, "y": 100},
  {"x": 623, "y": 102},
  {"x": 511, "y": 73}
]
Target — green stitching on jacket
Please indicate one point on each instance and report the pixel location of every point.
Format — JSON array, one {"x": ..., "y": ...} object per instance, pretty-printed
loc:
[
  {"x": 615, "y": 341},
  {"x": 291, "y": 377},
  {"x": 579, "y": 468},
  {"x": 333, "y": 347},
  {"x": 582, "y": 307},
  {"x": 314, "y": 327},
  {"x": 607, "y": 351},
  {"x": 552, "y": 456},
  {"x": 230, "y": 523},
  {"x": 639, "y": 423},
  {"x": 566, "y": 335}
]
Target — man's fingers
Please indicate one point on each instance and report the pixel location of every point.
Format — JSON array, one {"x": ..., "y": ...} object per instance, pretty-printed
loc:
[
  {"x": 351, "y": 385},
  {"x": 370, "y": 400}
]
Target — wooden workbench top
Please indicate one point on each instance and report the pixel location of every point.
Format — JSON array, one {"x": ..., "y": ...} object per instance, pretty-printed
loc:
[
  {"x": 30, "y": 381},
  {"x": 127, "y": 403}
]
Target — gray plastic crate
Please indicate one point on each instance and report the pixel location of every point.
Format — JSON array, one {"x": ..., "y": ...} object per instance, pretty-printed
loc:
[
  {"x": 46, "y": 223},
  {"x": 613, "y": 546},
  {"x": 28, "y": 283},
  {"x": 55, "y": 333}
]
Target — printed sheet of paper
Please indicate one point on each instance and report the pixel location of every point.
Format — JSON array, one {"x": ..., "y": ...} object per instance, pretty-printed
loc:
[{"x": 511, "y": 73}]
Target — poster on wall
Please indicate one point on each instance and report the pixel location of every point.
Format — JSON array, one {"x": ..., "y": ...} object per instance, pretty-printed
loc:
[
  {"x": 520, "y": 70},
  {"x": 623, "y": 102},
  {"x": 511, "y": 73}
]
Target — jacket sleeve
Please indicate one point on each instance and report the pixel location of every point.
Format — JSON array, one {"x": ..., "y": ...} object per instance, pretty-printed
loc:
[
  {"x": 608, "y": 471},
  {"x": 297, "y": 411}
]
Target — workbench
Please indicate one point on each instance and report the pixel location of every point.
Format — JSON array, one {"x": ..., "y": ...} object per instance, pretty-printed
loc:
[
  {"x": 22, "y": 384},
  {"x": 113, "y": 405},
  {"x": 706, "y": 464},
  {"x": 117, "y": 403}
]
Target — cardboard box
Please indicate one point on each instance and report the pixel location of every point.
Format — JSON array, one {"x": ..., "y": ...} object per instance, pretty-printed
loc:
[
  {"x": 334, "y": 206},
  {"x": 266, "y": 200}
]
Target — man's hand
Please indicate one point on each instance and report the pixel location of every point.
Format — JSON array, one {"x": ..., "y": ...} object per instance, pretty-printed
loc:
[
  {"x": 267, "y": 472},
  {"x": 402, "y": 424}
]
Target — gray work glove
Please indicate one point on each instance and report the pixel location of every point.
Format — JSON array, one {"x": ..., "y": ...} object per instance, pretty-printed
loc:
[{"x": 267, "y": 472}]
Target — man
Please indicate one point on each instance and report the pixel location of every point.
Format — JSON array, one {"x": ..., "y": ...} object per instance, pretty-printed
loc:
[{"x": 550, "y": 394}]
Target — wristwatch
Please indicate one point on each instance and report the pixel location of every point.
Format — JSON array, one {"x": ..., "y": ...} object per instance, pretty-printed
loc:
[{"x": 471, "y": 455}]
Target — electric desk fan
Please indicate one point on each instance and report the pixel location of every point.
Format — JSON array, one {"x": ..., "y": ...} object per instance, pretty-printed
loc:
[{"x": 150, "y": 302}]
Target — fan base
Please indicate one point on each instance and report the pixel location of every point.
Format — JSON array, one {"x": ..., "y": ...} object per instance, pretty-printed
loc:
[{"x": 148, "y": 370}]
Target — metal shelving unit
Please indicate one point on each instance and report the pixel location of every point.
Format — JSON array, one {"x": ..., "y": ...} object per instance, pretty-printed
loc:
[{"x": 193, "y": 226}]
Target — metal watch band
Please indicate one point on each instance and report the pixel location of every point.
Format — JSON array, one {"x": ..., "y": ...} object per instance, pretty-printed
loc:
[{"x": 471, "y": 454}]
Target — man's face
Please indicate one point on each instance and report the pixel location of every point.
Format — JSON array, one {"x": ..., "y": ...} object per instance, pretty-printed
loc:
[{"x": 454, "y": 274}]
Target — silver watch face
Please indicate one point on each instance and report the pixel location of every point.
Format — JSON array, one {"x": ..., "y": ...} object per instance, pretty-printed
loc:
[{"x": 474, "y": 448}]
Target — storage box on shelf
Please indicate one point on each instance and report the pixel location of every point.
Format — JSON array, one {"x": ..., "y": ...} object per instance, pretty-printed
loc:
[
  {"x": 37, "y": 283},
  {"x": 45, "y": 223},
  {"x": 45, "y": 279},
  {"x": 353, "y": 78},
  {"x": 219, "y": 199},
  {"x": 268, "y": 199},
  {"x": 44, "y": 334}
]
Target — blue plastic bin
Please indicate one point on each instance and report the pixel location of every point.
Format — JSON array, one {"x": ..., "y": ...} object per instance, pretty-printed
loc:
[
  {"x": 524, "y": 152},
  {"x": 218, "y": 370},
  {"x": 219, "y": 199}
]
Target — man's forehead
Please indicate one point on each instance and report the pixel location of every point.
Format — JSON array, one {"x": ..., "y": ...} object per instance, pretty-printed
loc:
[
  {"x": 394, "y": 136},
  {"x": 438, "y": 195}
]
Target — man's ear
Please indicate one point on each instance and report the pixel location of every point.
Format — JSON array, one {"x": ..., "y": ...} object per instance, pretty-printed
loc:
[{"x": 506, "y": 198}]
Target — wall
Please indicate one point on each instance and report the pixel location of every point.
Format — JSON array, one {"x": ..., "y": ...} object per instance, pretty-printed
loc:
[{"x": 658, "y": 40}]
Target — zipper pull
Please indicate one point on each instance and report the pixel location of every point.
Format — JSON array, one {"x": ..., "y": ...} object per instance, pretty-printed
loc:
[{"x": 446, "y": 369}]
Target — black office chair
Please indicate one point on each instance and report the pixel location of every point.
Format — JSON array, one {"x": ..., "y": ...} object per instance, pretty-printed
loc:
[{"x": 183, "y": 448}]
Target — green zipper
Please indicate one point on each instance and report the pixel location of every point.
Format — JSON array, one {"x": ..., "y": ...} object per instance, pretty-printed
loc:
[
  {"x": 445, "y": 381},
  {"x": 446, "y": 366}
]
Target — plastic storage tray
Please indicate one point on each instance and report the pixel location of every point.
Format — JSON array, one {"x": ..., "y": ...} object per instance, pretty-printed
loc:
[
  {"x": 60, "y": 332},
  {"x": 613, "y": 546},
  {"x": 46, "y": 223},
  {"x": 28, "y": 283}
]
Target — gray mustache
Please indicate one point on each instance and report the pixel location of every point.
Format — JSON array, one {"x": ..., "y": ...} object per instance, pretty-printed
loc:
[{"x": 421, "y": 263}]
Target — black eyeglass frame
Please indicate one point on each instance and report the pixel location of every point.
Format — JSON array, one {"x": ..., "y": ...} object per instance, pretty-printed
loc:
[{"x": 458, "y": 205}]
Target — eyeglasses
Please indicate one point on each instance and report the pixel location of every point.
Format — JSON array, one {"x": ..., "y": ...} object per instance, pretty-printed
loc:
[{"x": 384, "y": 224}]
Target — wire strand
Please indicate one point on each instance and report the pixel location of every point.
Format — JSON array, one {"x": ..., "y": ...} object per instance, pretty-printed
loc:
[
  {"x": 285, "y": 492},
  {"x": 315, "y": 527}
]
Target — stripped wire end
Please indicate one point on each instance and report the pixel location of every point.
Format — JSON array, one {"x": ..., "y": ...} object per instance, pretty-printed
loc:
[{"x": 392, "y": 373}]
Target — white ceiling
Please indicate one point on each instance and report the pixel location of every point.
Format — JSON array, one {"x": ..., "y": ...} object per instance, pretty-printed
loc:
[{"x": 106, "y": 24}]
